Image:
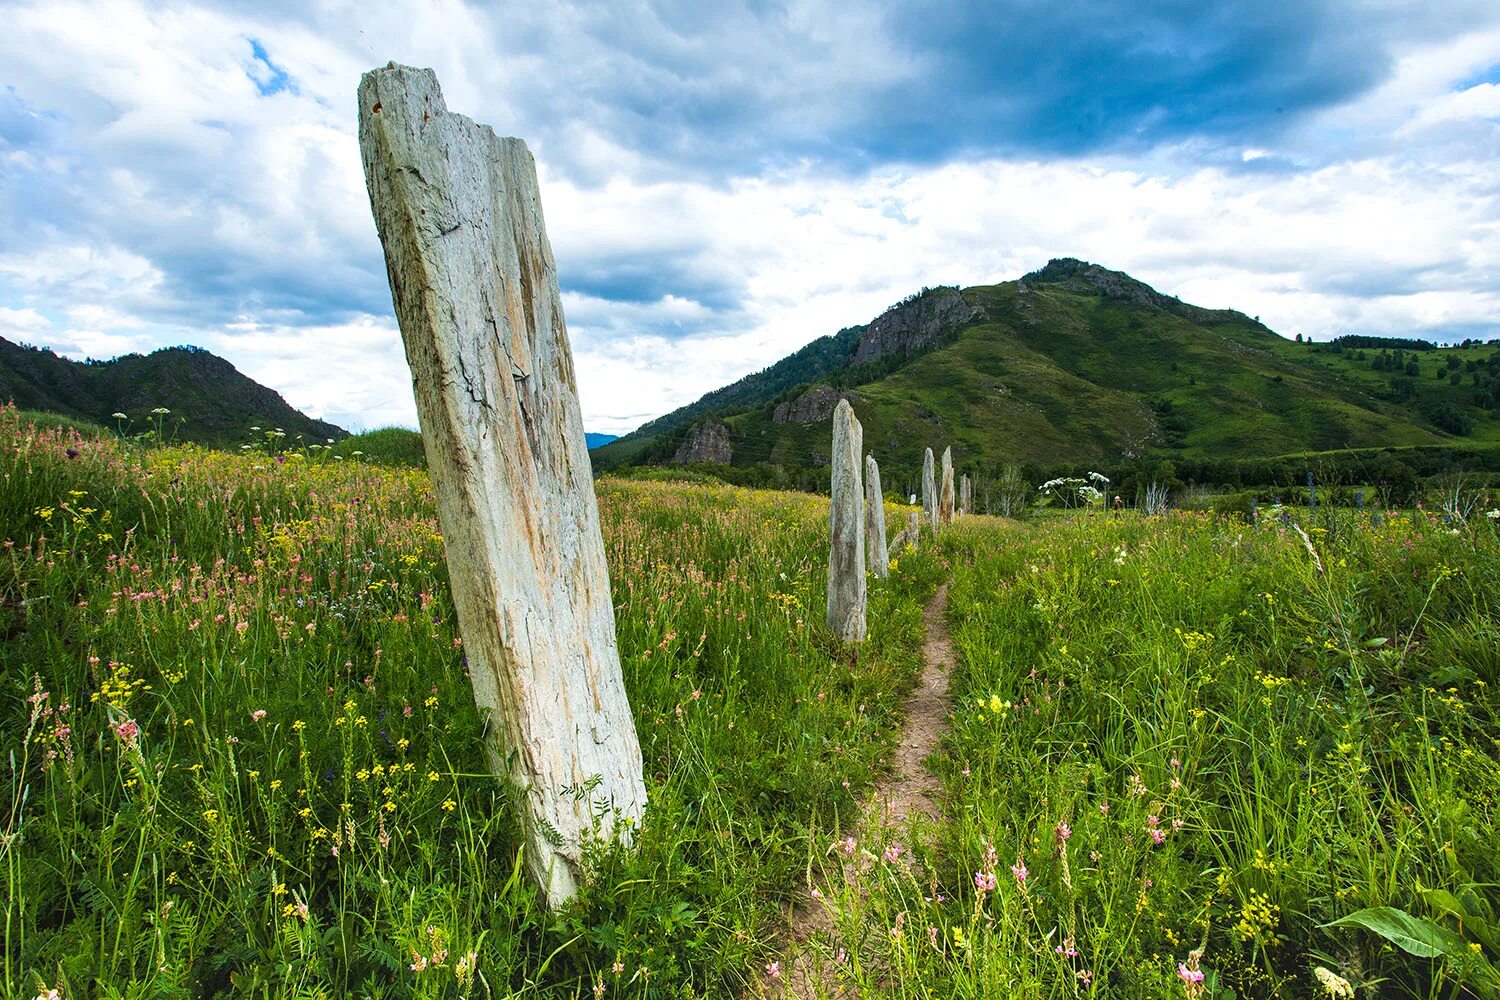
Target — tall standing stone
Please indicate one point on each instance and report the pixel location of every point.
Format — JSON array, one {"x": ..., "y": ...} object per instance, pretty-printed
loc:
[
  {"x": 879, "y": 558},
  {"x": 846, "y": 530},
  {"x": 945, "y": 496},
  {"x": 929, "y": 490},
  {"x": 913, "y": 529},
  {"x": 965, "y": 496},
  {"x": 475, "y": 290}
]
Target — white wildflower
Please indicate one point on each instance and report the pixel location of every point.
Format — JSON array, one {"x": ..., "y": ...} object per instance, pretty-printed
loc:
[{"x": 1333, "y": 984}]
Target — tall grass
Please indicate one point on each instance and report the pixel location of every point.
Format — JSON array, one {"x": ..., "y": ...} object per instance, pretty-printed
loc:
[
  {"x": 243, "y": 756},
  {"x": 1184, "y": 747}
]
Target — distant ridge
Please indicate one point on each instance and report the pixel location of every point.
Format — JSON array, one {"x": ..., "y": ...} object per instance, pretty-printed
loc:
[
  {"x": 1075, "y": 364},
  {"x": 210, "y": 401}
]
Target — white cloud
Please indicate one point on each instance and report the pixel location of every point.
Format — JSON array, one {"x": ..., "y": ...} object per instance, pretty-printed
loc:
[
  {"x": 23, "y": 324},
  {"x": 160, "y": 198}
]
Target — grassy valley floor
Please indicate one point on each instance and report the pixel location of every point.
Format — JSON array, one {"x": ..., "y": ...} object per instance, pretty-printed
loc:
[{"x": 1188, "y": 756}]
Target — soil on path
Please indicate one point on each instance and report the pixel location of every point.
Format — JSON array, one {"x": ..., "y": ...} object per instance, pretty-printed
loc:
[{"x": 909, "y": 790}]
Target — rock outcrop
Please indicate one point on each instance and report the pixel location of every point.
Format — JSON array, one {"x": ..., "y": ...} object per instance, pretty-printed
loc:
[
  {"x": 914, "y": 323},
  {"x": 812, "y": 407},
  {"x": 707, "y": 442}
]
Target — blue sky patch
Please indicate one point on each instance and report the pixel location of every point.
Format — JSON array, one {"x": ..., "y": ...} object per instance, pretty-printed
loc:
[{"x": 268, "y": 77}]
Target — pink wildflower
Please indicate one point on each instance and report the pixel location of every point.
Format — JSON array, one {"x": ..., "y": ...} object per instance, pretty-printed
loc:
[
  {"x": 257, "y": 715},
  {"x": 1019, "y": 871},
  {"x": 127, "y": 732},
  {"x": 892, "y": 851},
  {"x": 773, "y": 969},
  {"x": 1190, "y": 976},
  {"x": 1158, "y": 837},
  {"x": 984, "y": 881},
  {"x": 1062, "y": 831}
]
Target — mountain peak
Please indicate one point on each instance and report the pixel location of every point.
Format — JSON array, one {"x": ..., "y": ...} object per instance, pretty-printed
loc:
[{"x": 1083, "y": 276}]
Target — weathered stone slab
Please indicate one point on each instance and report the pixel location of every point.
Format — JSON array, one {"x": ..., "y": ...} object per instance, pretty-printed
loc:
[
  {"x": 846, "y": 530},
  {"x": 879, "y": 558},
  {"x": 929, "y": 490},
  {"x": 945, "y": 496},
  {"x": 476, "y": 296},
  {"x": 965, "y": 496}
]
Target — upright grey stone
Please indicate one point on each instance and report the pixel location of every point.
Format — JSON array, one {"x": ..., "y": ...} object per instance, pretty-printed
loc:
[
  {"x": 945, "y": 496},
  {"x": 879, "y": 558},
  {"x": 929, "y": 490},
  {"x": 459, "y": 214},
  {"x": 846, "y": 530},
  {"x": 965, "y": 495},
  {"x": 913, "y": 529}
]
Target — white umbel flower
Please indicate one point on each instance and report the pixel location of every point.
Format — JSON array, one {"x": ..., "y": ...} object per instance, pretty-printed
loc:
[{"x": 1333, "y": 984}]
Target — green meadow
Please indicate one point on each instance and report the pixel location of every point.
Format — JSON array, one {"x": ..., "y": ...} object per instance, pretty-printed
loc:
[{"x": 1189, "y": 755}]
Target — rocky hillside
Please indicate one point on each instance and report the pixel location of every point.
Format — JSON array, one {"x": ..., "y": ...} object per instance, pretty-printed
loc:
[
  {"x": 210, "y": 401},
  {"x": 1076, "y": 364}
]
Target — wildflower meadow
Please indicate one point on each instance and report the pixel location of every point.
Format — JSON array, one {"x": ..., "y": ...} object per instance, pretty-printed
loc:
[{"x": 1188, "y": 755}]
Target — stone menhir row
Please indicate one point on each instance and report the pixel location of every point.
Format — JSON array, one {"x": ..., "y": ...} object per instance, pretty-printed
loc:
[{"x": 856, "y": 521}]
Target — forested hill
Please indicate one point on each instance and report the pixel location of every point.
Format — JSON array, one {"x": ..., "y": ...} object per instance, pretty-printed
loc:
[{"x": 210, "y": 401}]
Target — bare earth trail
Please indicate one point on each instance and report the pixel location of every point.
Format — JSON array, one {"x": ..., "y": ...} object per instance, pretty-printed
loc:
[{"x": 910, "y": 790}]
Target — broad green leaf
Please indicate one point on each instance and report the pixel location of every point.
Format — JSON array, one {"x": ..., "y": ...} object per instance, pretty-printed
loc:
[
  {"x": 1413, "y": 935},
  {"x": 1471, "y": 923}
]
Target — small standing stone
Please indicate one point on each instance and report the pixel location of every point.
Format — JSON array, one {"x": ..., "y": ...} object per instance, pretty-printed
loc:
[
  {"x": 965, "y": 496},
  {"x": 945, "y": 498},
  {"x": 875, "y": 520},
  {"x": 846, "y": 529},
  {"x": 929, "y": 490},
  {"x": 913, "y": 529}
]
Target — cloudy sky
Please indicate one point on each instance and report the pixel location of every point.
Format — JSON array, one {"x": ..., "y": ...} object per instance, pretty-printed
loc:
[{"x": 725, "y": 182}]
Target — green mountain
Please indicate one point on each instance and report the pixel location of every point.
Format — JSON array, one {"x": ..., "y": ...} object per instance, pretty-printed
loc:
[
  {"x": 1076, "y": 365},
  {"x": 210, "y": 401}
]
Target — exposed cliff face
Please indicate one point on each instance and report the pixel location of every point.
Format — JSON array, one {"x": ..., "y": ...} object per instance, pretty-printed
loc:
[
  {"x": 813, "y": 406},
  {"x": 914, "y": 324},
  {"x": 708, "y": 442}
]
